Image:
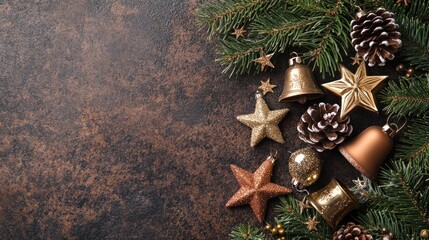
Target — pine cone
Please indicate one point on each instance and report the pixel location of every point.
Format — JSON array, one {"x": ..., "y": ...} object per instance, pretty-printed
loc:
[
  {"x": 375, "y": 37},
  {"x": 322, "y": 127},
  {"x": 353, "y": 232}
]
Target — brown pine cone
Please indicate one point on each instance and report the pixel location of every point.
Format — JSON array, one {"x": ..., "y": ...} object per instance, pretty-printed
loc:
[
  {"x": 353, "y": 232},
  {"x": 375, "y": 36},
  {"x": 322, "y": 127}
]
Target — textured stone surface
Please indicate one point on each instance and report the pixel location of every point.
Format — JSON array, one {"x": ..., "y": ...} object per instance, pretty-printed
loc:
[{"x": 116, "y": 123}]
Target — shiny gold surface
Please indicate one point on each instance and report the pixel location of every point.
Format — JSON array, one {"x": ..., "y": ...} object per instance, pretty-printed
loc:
[
  {"x": 333, "y": 202},
  {"x": 355, "y": 89},
  {"x": 304, "y": 167},
  {"x": 368, "y": 150},
  {"x": 299, "y": 83}
]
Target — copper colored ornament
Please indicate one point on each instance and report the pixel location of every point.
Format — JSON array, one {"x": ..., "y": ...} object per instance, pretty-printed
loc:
[
  {"x": 333, "y": 202},
  {"x": 370, "y": 148},
  {"x": 304, "y": 167},
  {"x": 256, "y": 188},
  {"x": 299, "y": 83}
]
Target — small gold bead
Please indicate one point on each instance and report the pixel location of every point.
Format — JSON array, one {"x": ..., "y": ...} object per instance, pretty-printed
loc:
[
  {"x": 281, "y": 231},
  {"x": 424, "y": 234},
  {"x": 279, "y": 239},
  {"x": 274, "y": 230},
  {"x": 408, "y": 75},
  {"x": 410, "y": 70},
  {"x": 384, "y": 230},
  {"x": 391, "y": 235},
  {"x": 268, "y": 227},
  {"x": 283, "y": 238},
  {"x": 400, "y": 67},
  {"x": 279, "y": 226}
]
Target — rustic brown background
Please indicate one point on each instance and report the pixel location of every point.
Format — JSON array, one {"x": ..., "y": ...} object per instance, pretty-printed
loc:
[{"x": 116, "y": 123}]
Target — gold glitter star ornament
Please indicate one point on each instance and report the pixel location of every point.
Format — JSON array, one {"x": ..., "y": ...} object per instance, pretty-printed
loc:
[
  {"x": 264, "y": 123},
  {"x": 239, "y": 32},
  {"x": 355, "y": 89},
  {"x": 311, "y": 223},
  {"x": 264, "y": 60},
  {"x": 256, "y": 188},
  {"x": 267, "y": 87}
]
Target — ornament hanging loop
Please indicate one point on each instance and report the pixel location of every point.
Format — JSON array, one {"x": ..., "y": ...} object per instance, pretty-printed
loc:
[
  {"x": 274, "y": 153},
  {"x": 392, "y": 129},
  {"x": 258, "y": 94},
  {"x": 294, "y": 58}
]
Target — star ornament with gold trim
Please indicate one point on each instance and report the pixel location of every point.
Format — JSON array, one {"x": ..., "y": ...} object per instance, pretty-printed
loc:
[
  {"x": 264, "y": 122},
  {"x": 264, "y": 60},
  {"x": 267, "y": 87},
  {"x": 239, "y": 32},
  {"x": 256, "y": 188},
  {"x": 355, "y": 89}
]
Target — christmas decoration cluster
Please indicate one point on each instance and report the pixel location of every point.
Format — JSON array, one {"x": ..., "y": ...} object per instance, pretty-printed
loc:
[{"x": 252, "y": 35}]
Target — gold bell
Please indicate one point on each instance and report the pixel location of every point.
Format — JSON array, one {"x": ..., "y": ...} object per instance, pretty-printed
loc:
[
  {"x": 299, "y": 83},
  {"x": 333, "y": 202},
  {"x": 370, "y": 148}
]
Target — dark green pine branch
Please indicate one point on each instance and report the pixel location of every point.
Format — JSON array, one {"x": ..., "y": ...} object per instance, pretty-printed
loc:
[
  {"x": 220, "y": 17},
  {"x": 414, "y": 27},
  {"x": 246, "y": 232},
  {"x": 294, "y": 222},
  {"x": 375, "y": 220},
  {"x": 409, "y": 97},
  {"x": 415, "y": 142},
  {"x": 406, "y": 184}
]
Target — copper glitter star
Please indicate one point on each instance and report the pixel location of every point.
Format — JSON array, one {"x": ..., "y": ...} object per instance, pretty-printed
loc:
[
  {"x": 239, "y": 32},
  {"x": 302, "y": 206},
  {"x": 264, "y": 60},
  {"x": 356, "y": 60},
  {"x": 256, "y": 188},
  {"x": 264, "y": 123},
  {"x": 267, "y": 87},
  {"x": 355, "y": 89},
  {"x": 311, "y": 223}
]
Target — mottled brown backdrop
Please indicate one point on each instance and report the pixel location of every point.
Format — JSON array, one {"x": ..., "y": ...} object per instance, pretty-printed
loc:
[{"x": 116, "y": 123}]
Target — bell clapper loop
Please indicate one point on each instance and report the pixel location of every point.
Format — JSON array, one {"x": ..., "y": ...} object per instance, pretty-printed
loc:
[{"x": 392, "y": 129}]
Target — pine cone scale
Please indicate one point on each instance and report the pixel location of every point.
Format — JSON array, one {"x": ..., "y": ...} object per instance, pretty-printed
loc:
[{"x": 322, "y": 127}]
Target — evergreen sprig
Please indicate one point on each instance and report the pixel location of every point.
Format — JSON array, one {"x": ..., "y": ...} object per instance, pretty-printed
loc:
[
  {"x": 320, "y": 29},
  {"x": 409, "y": 97},
  {"x": 294, "y": 222},
  {"x": 220, "y": 17},
  {"x": 415, "y": 142},
  {"x": 247, "y": 232}
]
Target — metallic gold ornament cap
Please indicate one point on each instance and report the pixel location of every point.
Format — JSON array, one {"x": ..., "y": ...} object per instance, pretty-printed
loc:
[
  {"x": 368, "y": 150},
  {"x": 333, "y": 202}
]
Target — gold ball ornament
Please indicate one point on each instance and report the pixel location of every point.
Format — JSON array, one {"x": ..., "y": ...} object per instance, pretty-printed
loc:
[
  {"x": 304, "y": 167},
  {"x": 400, "y": 67},
  {"x": 281, "y": 231},
  {"x": 279, "y": 226},
  {"x": 424, "y": 233},
  {"x": 408, "y": 75},
  {"x": 268, "y": 227},
  {"x": 274, "y": 231},
  {"x": 410, "y": 70}
]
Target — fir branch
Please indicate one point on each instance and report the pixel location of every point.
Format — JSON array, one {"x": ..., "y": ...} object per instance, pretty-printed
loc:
[
  {"x": 405, "y": 184},
  {"x": 414, "y": 28},
  {"x": 222, "y": 16},
  {"x": 415, "y": 143},
  {"x": 246, "y": 232},
  {"x": 368, "y": 192},
  {"x": 409, "y": 97},
  {"x": 294, "y": 222},
  {"x": 374, "y": 221}
]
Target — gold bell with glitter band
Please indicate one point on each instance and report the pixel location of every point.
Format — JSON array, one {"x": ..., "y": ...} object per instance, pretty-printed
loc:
[
  {"x": 299, "y": 83},
  {"x": 370, "y": 148},
  {"x": 333, "y": 202}
]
